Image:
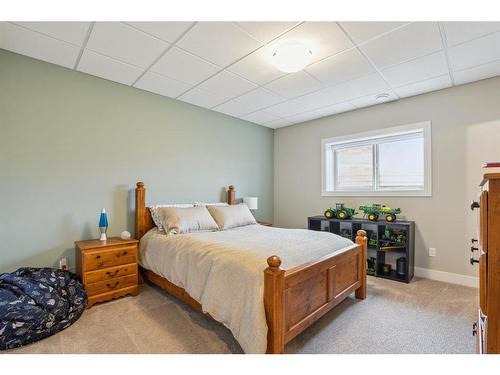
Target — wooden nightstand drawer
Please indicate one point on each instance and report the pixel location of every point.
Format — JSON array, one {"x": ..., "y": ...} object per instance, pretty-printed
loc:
[
  {"x": 110, "y": 273},
  {"x": 111, "y": 285},
  {"x": 108, "y": 268},
  {"x": 100, "y": 259}
]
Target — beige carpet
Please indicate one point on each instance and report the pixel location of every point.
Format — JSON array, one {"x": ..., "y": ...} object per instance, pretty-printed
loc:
[{"x": 422, "y": 317}]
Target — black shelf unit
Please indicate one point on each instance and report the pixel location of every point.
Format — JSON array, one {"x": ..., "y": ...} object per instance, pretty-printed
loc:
[{"x": 377, "y": 240}]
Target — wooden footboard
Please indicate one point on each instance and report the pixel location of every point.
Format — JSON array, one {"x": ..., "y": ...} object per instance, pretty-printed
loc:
[{"x": 296, "y": 298}]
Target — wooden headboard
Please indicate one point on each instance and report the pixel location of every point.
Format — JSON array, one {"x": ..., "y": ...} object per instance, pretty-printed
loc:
[{"x": 143, "y": 219}]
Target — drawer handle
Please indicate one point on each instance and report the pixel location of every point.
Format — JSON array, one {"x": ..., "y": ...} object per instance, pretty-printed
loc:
[
  {"x": 98, "y": 257},
  {"x": 474, "y": 205},
  {"x": 472, "y": 240},
  {"x": 473, "y": 248},
  {"x": 124, "y": 253},
  {"x": 474, "y": 329},
  {"x": 472, "y": 261},
  {"x": 109, "y": 273},
  {"x": 114, "y": 286}
]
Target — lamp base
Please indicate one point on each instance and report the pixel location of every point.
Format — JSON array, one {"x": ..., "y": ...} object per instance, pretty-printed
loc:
[{"x": 103, "y": 237}]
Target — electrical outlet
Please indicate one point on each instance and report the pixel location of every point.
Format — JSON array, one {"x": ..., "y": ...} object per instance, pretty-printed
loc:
[{"x": 432, "y": 251}]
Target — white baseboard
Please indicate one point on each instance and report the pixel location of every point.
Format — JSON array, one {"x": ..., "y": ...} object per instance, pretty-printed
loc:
[{"x": 448, "y": 277}]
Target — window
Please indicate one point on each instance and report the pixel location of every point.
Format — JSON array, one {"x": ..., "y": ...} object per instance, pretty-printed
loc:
[{"x": 394, "y": 161}]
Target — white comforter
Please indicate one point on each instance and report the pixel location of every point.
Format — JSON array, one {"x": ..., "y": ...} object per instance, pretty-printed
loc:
[{"x": 223, "y": 270}]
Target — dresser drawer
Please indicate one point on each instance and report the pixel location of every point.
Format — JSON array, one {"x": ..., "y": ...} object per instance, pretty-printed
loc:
[
  {"x": 110, "y": 273},
  {"x": 96, "y": 260},
  {"x": 111, "y": 285}
]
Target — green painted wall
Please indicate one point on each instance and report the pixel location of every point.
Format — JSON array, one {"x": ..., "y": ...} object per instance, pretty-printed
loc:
[{"x": 71, "y": 144}]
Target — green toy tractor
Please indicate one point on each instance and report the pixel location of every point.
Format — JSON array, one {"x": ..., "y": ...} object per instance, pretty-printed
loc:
[
  {"x": 340, "y": 212},
  {"x": 375, "y": 210}
]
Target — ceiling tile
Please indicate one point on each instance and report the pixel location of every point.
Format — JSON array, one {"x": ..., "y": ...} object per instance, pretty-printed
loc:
[
  {"x": 295, "y": 84},
  {"x": 203, "y": 98},
  {"x": 161, "y": 85},
  {"x": 229, "y": 84},
  {"x": 71, "y": 32},
  {"x": 184, "y": 66},
  {"x": 235, "y": 107},
  {"x": 367, "y": 85},
  {"x": 324, "y": 38},
  {"x": 415, "y": 40},
  {"x": 286, "y": 109},
  {"x": 302, "y": 117},
  {"x": 266, "y": 31},
  {"x": 124, "y": 43},
  {"x": 167, "y": 31},
  {"x": 477, "y": 73},
  {"x": 278, "y": 123},
  {"x": 222, "y": 43},
  {"x": 458, "y": 32},
  {"x": 420, "y": 69},
  {"x": 335, "y": 108},
  {"x": 257, "y": 67},
  {"x": 429, "y": 85},
  {"x": 108, "y": 68},
  {"x": 341, "y": 67},
  {"x": 321, "y": 112},
  {"x": 369, "y": 100},
  {"x": 260, "y": 117},
  {"x": 256, "y": 99},
  {"x": 477, "y": 52},
  {"x": 29, "y": 43},
  {"x": 363, "y": 31}
]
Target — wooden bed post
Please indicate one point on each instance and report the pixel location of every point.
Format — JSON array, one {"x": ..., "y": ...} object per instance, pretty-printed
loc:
[
  {"x": 274, "y": 279},
  {"x": 363, "y": 242},
  {"x": 140, "y": 210},
  {"x": 231, "y": 195}
]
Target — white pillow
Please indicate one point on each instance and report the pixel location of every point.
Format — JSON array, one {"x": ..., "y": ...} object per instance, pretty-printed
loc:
[
  {"x": 154, "y": 214},
  {"x": 196, "y": 204},
  {"x": 231, "y": 216},
  {"x": 177, "y": 220}
]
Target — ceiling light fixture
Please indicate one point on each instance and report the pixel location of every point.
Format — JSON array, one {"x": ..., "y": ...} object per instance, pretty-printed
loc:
[
  {"x": 291, "y": 57},
  {"x": 382, "y": 98}
]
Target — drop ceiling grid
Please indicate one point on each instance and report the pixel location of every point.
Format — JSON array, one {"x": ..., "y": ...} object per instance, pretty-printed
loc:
[{"x": 476, "y": 32}]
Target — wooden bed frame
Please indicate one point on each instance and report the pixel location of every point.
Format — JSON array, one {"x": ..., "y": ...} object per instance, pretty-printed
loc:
[{"x": 293, "y": 299}]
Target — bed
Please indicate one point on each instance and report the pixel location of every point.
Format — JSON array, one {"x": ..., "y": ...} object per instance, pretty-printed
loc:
[{"x": 265, "y": 284}]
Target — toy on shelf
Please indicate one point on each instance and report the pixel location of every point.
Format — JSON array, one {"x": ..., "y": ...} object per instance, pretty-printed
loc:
[
  {"x": 372, "y": 239},
  {"x": 394, "y": 236},
  {"x": 371, "y": 266},
  {"x": 375, "y": 210},
  {"x": 346, "y": 233},
  {"x": 340, "y": 212}
]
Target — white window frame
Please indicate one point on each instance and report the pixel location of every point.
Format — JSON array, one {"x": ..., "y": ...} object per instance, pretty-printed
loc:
[{"x": 366, "y": 138}]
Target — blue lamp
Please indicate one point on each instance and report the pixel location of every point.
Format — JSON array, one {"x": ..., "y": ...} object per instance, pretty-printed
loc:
[{"x": 103, "y": 225}]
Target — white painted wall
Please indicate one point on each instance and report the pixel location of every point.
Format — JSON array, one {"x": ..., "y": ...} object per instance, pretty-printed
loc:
[{"x": 465, "y": 133}]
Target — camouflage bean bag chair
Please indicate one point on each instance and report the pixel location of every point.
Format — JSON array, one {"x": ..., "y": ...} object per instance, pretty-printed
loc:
[{"x": 36, "y": 303}]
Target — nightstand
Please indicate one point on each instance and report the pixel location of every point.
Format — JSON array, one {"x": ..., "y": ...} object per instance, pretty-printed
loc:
[
  {"x": 108, "y": 269},
  {"x": 266, "y": 224}
]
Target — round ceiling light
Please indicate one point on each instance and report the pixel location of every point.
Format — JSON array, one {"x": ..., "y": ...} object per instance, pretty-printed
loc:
[{"x": 291, "y": 57}]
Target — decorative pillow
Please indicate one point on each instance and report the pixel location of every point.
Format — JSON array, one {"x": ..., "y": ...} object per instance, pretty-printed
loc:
[
  {"x": 231, "y": 216},
  {"x": 177, "y": 220},
  {"x": 196, "y": 204},
  {"x": 154, "y": 213}
]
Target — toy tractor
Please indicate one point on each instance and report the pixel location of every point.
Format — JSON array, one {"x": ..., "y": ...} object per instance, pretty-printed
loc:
[
  {"x": 340, "y": 212},
  {"x": 374, "y": 211}
]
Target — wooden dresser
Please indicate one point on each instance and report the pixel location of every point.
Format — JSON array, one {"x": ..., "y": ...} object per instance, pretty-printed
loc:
[
  {"x": 487, "y": 246},
  {"x": 108, "y": 269}
]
